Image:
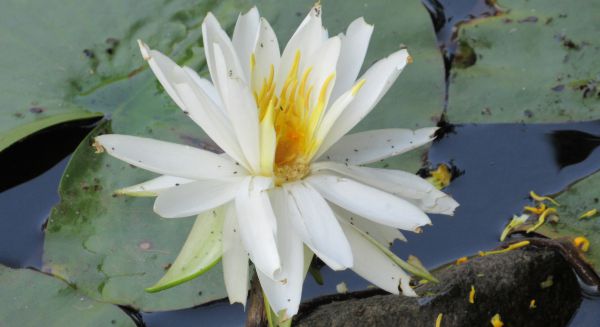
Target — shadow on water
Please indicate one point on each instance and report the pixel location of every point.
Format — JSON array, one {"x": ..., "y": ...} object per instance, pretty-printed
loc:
[{"x": 35, "y": 154}]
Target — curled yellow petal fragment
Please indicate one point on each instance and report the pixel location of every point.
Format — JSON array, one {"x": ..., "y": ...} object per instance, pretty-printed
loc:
[
  {"x": 589, "y": 214},
  {"x": 515, "y": 222},
  {"x": 536, "y": 210},
  {"x": 582, "y": 243},
  {"x": 541, "y": 219},
  {"x": 440, "y": 177},
  {"x": 462, "y": 260},
  {"x": 532, "y": 304},
  {"x": 438, "y": 321},
  {"x": 511, "y": 247},
  {"x": 540, "y": 198},
  {"x": 548, "y": 282},
  {"x": 497, "y": 321},
  {"x": 472, "y": 295}
]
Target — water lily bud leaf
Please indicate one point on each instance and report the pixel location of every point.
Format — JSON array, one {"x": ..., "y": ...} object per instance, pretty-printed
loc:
[{"x": 201, "y": 251}]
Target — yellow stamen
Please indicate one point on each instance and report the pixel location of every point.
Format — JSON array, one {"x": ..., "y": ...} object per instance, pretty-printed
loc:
[
  {"x": 582, "y": 243},
  {"x": 472, "y": 295},
  {"x": 268, "y": 141},
  {"x": 252, "y": 63},
  {"x": 497, "y": 321},
  {"x": 438, "y": 321},
  {"x": 539, "y": 198},
  {"x": 358, "y": 86},
  {"x": 536, "y": 210},
  {"x": 292, "y": 116},
  {"x": 511, "y": 247},
  {"x": 541, "y": 219},
  {"x": 589, "y": 214}
]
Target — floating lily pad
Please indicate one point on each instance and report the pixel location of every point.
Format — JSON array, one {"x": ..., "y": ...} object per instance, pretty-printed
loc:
[
  {"x": 71, "y": 50},
  {"x": 574, "y": 202},
  {"x": 31, "y": 298},
  {"x": 112, "y": 248},
  {"x": 537, "y": 61}
]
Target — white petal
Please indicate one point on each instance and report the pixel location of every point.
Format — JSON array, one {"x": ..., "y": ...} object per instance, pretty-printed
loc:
[
  {"x": 374, "y": 266},
  {"x": 323, "y": 231},
  {"x": 182, "y": 86},
  {"x": 168, "y": 158},
  {"x": 194, "y": 198},
  {"x": 323, "y": 62},
  {"x": 202, "y": 110},
  {"x": 378, "y": 79},
  {"x": 285, "y": 294},
  {"x": 400, "y": 183},
  {"x": 295, "y": 218},
  {"x": 266, "y": 54},
  {"x": 306, "y": 40},
  {"x": 352, "y": 55},
  {"x": 235, "y": 259},
  {"x": 371, "y": 146},
  {"x": 154, "y": 186},
  {"x": 241, "y": 109},
  {"x": 166, "y": 71},
  {"x": 333, "y": 113},
  {"x": 213, "y": 33},
  {"x": 383, "y": 234},
  {"x": 369, "y": 202},
  {"x": 258, "y": 225},
  {"x": 205, "y": 85},
  {"x": 244, "y": 38}
]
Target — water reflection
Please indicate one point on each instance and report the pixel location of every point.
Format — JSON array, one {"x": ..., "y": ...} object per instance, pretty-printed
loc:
[{"x": 23, "y": 211}]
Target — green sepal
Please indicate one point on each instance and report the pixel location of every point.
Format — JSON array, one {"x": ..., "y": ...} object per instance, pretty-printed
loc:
[{"x": 201, "y": 251}]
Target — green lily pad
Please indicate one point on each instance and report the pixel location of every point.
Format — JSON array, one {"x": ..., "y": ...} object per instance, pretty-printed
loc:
[
  {"x": 574, "y": 202},
  {"x": 112, "y": 248},
  {"x": 71, "y": 50},
  {"x": 538, "y": 61},
  {"x": 31, "y": 298}
]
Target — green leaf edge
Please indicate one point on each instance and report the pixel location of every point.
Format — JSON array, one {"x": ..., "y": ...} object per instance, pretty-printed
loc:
[
  {"x": 16, "y": 134},
  {"x": 163, "y": 286},
  {"x": 199, "y": 226}
]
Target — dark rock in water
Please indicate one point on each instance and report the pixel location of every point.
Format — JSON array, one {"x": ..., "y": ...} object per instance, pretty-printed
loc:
[{"x": 504, "y": 283}]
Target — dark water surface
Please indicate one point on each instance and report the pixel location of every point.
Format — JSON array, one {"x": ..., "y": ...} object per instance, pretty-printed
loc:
[{"x": 501, "y": 163}]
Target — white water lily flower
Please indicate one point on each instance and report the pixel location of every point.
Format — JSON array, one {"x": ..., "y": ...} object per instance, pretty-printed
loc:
[{"x": 289, "y": 179}]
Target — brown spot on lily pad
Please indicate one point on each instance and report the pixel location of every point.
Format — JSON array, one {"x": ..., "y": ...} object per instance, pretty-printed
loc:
[
  {"x": 530, "y": 19},
  {"x": 36, "y": 110}
]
